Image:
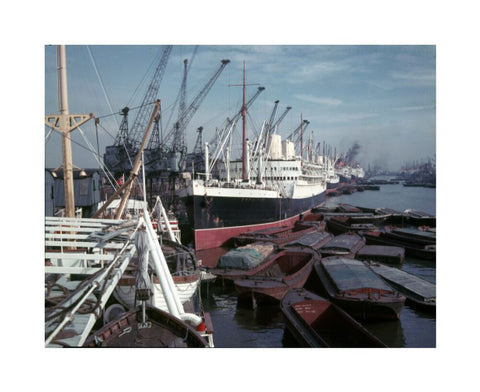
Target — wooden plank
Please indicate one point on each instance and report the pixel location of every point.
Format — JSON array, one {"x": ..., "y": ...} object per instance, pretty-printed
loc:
[
  {"x": 70, "y": 229},
  {"x": 87, "y": 244},
  {"x": 67, "y": 236},
  {"x": 79, "y": 256},
  {"x": 51, "y": 219},
  {"x": 109, "y": 235},
  {"x": 71, "y": 270}
]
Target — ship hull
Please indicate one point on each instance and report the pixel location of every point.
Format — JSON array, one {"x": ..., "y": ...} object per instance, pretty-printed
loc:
[{"x": 216, "y": 216}]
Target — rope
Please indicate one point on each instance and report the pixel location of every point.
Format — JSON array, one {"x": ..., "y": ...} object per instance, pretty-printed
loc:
[{"x": 101, "y": 82}]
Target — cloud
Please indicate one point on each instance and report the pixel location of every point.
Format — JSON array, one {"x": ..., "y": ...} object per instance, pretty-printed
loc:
[
  {"x": 343, "y": 117},
  {"x": 414, "y": 108},
  {"x": 416, "y": 77},
  {"x": 320, "y": 100}
]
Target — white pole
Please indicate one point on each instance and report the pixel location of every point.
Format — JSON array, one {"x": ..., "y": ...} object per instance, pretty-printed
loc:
[
  {"x": 143, "y": 174},
  {"x": 227, "y": 165},
  {"x": 167, "y": 222},
  {"x": 207, "y": 163},
  {"x": 166, "y": 281}
]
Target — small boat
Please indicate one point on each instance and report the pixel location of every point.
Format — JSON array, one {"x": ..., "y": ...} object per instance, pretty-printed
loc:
[
  {"x": 347, "y": 245},
  {"x": 358, "y": 290},
  {"x": 392, "y": 216},
  {"x": 348, "y": 190},
  {"x": 382, "y": 253},
  {"x": 420, "y": 218},
  {"x": 366, "y": 209},
  {"x": 344, "y": 207},
  {"x": 314, "y": 240},
  {"x": 242, "y": 261},
  {"x": 412, "y": 235},
  {"x": 419, "y": 293},
  {"x": 290, "y": 268},
  {"x": 314, "y": 219},
  {"x": 152, "y": 328},
  {"x": 276, "y": 235},
  {"x": 316, "y": 322},
  {"x": 426, "y": 252},
  {"x": 343, "y": 224}
]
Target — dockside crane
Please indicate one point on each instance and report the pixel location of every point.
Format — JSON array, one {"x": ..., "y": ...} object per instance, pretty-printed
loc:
[
  {"x": 269, "y": 127},
  {"x": 117, "y": 157},
  {"x": 233, "y": 120},
  {"x": 280, "y": 119},
  {"x": 177, "y": 153},
  {"x": 297, "y": 132},
  {"x": 156, "y": 149},
  {"x": 141, "y": 121}
]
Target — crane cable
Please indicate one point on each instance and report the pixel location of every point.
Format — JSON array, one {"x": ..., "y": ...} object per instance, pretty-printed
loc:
[{"x": 101, "y": 83}]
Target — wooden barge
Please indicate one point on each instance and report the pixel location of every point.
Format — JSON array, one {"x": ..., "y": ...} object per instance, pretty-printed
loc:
[
  {"x": 347, "y": 245},
  {"x": 314, "y": 321},
  {"x": 314, "y": 240},
  {"x": 276, "y": 235},
  {"x": 342, "y": 224},
  {"x": 419, "y": 293},
  {"x": 288, "y": 269},
  {"x": 243, "y": 261},
  {"x": 382, "y": 253},
  {"x": 421, "y": 218},
  {"x": 426, "y": 252},
  {"x": 357, "y": 289}
]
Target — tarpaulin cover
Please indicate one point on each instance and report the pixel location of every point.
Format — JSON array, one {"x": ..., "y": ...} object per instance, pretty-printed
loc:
[
  {"x": 311, "y": 239},
  {"x": 350, "y": 274},
  {"x": 245, "y": 257},
  {"x": 343, "y": 241}
]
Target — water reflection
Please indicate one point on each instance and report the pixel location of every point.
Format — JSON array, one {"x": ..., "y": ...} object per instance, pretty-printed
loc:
[{"x": 389, "y": 332}]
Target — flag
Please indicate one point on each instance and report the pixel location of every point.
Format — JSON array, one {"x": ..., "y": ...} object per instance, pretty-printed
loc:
[{"x": 121, "y": 180}]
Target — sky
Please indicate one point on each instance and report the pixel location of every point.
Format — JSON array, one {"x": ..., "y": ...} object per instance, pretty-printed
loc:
[{"x": 382, "y": 97}]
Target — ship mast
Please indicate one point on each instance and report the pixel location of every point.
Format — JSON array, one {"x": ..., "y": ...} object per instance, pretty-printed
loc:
[
  {"x": 244, "y": 118},
  {"x": 301, "y": 139},
  {"x": 244, "y": 137},
  {"x": 66, "y": 123}
]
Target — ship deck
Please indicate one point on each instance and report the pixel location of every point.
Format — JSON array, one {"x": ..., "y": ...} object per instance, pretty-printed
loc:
[{"x": 84, "y": 260}]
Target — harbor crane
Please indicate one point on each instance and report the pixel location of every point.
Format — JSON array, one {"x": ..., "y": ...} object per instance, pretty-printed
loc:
[
  {"x": 269, "y": 128},
  {"x": 118, "y": 156},
  {"x": 177, "y": 153},
  {"x": 141, "y": 121},
  {"x": 280, "y": 119}
]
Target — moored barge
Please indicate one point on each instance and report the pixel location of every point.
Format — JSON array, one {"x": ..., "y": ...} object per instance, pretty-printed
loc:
[
  {"x": 357, "y": 289},
  {"x": 314, "y": 321}
]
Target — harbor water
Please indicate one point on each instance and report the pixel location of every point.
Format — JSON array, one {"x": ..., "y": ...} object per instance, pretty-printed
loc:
[{"x": 263, "y": 327}]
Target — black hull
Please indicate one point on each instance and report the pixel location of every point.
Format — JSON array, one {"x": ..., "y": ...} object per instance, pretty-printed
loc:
[{"x": 217, "y": 212}]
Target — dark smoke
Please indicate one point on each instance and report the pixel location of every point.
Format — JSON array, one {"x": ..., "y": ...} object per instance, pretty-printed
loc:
[{"x": 352, "y": 153}]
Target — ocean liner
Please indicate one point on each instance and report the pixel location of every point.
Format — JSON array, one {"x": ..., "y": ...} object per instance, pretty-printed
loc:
[{"x": 269, "y": 186}]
